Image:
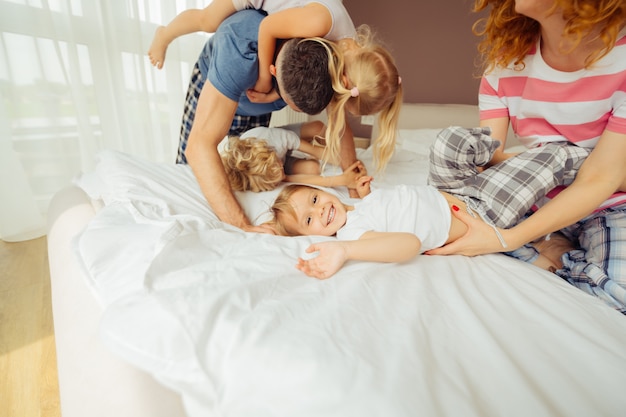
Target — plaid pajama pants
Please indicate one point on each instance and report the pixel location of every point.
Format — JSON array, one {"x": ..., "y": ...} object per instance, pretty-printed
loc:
[
  {"x": 506, "y": 191},
  {"x": 598, "y": 267},
  {"x": 239, "y": 124}
]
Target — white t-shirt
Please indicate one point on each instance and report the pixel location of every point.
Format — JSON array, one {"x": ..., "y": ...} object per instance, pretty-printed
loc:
[
  {"x": 417, "y": 209},
  {"x": 342, "y": 26},
  {"x": 281, "y": 139},
  {"x": 547, "y": 105}
]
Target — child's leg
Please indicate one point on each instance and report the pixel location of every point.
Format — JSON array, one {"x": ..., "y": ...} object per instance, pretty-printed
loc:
[
  {"x": 189, "y": 21},
  {"x": 296, "y": 166},
  {"x": 313, "y": 130}
]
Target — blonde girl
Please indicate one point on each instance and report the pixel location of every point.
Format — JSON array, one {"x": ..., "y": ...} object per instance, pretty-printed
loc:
[{"x": 367, "y": 83}]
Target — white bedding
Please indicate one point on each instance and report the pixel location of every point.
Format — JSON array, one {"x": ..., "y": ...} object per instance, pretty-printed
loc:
[{"x": 224, "y": 318}]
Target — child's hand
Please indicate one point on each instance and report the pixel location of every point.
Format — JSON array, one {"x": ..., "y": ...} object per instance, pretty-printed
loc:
[
  {"x": 332, "y": 256},
  {"x": 264, "y": 84},
  {"x": 353, "y": 173},
  {"x": 363, "y": 186},
  {"x": 257, "y": 97}
]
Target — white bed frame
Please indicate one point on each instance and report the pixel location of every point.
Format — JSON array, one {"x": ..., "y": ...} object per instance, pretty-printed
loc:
[{"x": 93, "y": 382}]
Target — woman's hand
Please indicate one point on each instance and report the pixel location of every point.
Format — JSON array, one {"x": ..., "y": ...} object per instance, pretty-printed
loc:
[
  {"x": 479, "y": 239},
  {"x": 332, "y": 255}
]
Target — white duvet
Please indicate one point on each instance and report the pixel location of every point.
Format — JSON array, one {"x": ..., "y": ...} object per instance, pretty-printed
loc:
[{"x": 224, "y": 317}]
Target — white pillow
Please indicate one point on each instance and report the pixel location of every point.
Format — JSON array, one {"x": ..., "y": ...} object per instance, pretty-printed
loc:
[
  {"x": 416, "y": 140},
  {"x": 160, "y": 190}
]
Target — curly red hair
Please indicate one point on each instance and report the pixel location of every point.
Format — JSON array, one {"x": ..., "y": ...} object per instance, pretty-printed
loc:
[{"x": 509, "y": 36}]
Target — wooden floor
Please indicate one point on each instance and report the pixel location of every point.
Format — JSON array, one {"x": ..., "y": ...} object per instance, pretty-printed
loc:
[{"x": 28, "y": 370}]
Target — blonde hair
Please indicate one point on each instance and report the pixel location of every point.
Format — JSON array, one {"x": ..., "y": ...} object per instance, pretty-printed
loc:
[
  {"x": 373, "y": 86},
  {"x": 509, "y": 36},
  {"x": 251, "y": 165},
  {"x": 283, "y": 208}
]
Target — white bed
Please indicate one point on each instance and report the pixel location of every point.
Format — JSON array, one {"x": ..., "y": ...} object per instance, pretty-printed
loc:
[{"x": 159, "y": 309}]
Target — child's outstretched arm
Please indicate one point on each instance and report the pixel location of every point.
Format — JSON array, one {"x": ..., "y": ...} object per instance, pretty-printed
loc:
[
  {"x": 312, "y": 20},
  {"x": 348, "y": 178},
  {"x": 372, "y": 246},
  {"x": 189, "y": 21}
]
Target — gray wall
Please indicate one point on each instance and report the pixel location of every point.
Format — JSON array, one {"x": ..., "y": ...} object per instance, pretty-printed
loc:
[{"x": 432, "y": 42}]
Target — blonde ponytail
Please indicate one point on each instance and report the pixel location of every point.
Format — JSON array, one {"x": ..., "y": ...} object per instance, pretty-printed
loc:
[{"x": 369, "y": 83}]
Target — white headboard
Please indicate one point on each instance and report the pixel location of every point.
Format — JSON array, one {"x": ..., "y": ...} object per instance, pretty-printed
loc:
[
  {"x": 425, "y": 115},
  {"x": 429, "y": 116},
  {"x": 422, "y": 116}
]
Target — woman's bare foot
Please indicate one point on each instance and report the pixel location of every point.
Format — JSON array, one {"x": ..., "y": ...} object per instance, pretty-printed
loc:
[
  {"x": 550, "y": 251},
  {"x": 157, "y": 50}
]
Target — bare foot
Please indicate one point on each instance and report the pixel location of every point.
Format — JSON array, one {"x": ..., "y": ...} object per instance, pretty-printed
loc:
[
  {"x": 157, "y": 50},
  {"x": 545, "y": 263},
  {"x": 550, "y": 251}
]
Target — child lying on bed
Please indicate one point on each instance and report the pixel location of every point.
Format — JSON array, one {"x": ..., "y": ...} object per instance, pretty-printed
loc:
[
  {"x": 261, "y": 158},
  {"x": 395, "y": 224}
]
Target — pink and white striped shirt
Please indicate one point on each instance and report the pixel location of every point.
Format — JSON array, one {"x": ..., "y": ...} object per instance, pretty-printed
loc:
[{"x": 546, "y": 105}]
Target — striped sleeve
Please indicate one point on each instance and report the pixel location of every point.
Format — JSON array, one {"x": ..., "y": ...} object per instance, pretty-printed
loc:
[{"x": 491, "y": 105}]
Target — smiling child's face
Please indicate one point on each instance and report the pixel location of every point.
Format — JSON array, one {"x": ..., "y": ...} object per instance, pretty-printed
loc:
[{"x": 317, "y": 212}]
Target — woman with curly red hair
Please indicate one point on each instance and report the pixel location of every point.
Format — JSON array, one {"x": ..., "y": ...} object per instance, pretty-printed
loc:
[{"x": 555, "y": 70}]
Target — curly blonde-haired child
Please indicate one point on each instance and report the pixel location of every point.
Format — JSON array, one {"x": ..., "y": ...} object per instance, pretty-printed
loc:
[{"x": 261, "y": 158}]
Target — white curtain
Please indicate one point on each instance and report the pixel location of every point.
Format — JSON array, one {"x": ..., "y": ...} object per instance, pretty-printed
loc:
[{"x": 75, "y": 79}]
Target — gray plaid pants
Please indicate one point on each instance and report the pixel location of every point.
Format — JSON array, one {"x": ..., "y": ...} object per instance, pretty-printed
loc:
[{"x": 506, "y": 191}]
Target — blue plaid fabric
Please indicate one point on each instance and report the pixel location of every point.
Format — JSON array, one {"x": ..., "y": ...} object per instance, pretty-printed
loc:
[
  {"x": 597, "y": 266},
  {"x": 191, "y": 103},
  {"x": 239, "y": 124}
]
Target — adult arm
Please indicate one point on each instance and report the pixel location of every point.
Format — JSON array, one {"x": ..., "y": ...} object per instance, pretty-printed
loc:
[
  {"x": 347, "y": 154},
  {"x": 602, "y": 174},
  {"x": 214, "y": 115},
  {"x": 372, "y": 246},
  {"x": 499, "y": 130}
]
